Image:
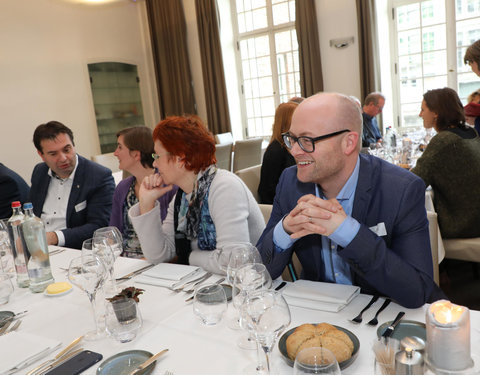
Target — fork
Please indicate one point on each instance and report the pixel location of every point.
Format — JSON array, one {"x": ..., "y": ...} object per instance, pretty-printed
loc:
[
  {"x": 12, "y": 328},
  {"x": 358, "y": 318},
  {"x": 374, "y": 321},
  {"x": 168, "y": 373}
]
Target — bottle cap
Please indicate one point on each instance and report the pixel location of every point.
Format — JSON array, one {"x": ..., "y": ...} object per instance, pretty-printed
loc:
[
  {"x": 16, "y": 204},
  {"x": 27, "y": 205}
]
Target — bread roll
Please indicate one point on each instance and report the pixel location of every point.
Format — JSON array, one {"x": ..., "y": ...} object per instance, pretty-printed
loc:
[{"x": 321, "y": 335}]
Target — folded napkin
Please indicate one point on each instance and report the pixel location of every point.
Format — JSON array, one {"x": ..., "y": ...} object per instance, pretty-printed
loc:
[
  {"x": 169, "y": 275},
  {"x": 319, "y": 295},
  {"x": 19, "y": 350},
  {"x": 171, "y": 271}
]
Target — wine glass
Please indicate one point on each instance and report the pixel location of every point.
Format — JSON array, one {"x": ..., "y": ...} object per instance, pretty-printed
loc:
[
  {"x": 210, "y": 303},
  {"x": 266, "y": 314},
  {"x": 115, "y": 239},
  {"x": 248, "y": 278},
  {"x": 101, "y": 248},
  {"x": 316, "y": 360},
  {"x": 88, "y": 273},
  {"x": 238, "y": 254}
]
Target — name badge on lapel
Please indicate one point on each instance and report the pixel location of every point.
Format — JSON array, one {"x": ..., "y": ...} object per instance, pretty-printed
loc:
[
  {"x": 81, "y": 206},
  {"x": 379, "y": 229}
]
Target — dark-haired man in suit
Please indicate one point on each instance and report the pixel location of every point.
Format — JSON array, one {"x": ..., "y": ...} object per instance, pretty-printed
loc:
[
  {"x": 12, "y": 188},
  {"x": 350, "y": 218},
  {"x": 71, "y": 194}
]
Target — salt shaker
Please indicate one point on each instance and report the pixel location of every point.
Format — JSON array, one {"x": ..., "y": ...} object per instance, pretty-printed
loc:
[
  {"x": 408, "y": 362},
  {"x": 414, "y": 343}
]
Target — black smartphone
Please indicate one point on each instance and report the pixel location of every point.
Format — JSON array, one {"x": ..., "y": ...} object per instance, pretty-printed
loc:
[{"x": 76, "y": 364}]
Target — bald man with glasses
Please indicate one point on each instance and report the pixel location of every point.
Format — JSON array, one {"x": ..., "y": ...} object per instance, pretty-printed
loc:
[{"x": 350, "y": 218}]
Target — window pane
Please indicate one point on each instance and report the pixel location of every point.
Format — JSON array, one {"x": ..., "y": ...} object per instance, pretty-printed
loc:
[
  {"x": 248, "y": 21},
  {"x": 467, "y": 83},
  {"x": 266, "y": 86},
  {"x": 467, "y": 9},
  {"x": 264, "y": 67},
  {"x": 259, "y": 18},
  {"x": 253, "y": 68},
  {"x": 258, "y": 4},
  {"x": 434, "y": 38},
  {"x": 240, "y": 7},
  {"x": 433, "y": 12},
  {"x": 408, "y": 16},
  {"x": 411, "y": 90},
  {"x": 291, "y": 5},
  {"x": 409, "y": 115},
  {"x": 262, "y": 46},
  {"x": 241, "y": 23},
  {"x": 430, "y": 83},
  {"x": 435, "y": 63},
  {"x": 410, "y": 66},
  {"x": 280, "y": 14},
  {"x": 268, "y": 107},
  {"x": 283, "y": 42},
  {"x": 246, "y": 69},
  {"x": 267, "y": 125},
  {"x": 409, "y": 42},
  {"x": 468, "y": 32}
]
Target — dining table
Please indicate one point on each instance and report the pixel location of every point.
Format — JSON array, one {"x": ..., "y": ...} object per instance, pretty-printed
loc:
[{"x": 170, "y": 323}]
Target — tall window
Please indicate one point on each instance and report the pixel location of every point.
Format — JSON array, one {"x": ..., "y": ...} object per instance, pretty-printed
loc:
[
  {"x": 268, "y": 56},
  {"x": 431, "y": 37}
]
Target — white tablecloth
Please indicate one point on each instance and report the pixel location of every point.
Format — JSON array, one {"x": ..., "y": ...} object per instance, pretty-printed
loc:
[{"x": 169, "y": 322}]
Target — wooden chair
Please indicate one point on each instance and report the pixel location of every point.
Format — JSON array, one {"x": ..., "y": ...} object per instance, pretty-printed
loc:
[
  {"x": 247, "y": 153},
  {"x": 251, "y": 177},
  {"x": 223, "y": 153}
]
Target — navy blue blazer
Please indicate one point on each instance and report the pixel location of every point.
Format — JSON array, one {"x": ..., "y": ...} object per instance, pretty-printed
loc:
[
  {"x": 12, "y": 188},
  {"x": 398, "y": 264},
  {"x": 89, "y": 204}
]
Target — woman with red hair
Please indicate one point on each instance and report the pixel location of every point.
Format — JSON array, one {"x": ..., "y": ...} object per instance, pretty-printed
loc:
[{"x": 212, "y": 207}]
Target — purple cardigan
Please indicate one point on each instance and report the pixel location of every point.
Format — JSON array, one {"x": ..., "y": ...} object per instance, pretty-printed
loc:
[{"x": 119, "y": 196}]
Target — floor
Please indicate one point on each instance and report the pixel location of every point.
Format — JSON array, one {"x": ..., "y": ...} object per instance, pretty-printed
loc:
[{"x": 461, "y": 282}]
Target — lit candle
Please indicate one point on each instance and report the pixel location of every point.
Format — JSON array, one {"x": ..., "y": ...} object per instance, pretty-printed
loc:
[{"x": 448, "y": 337}]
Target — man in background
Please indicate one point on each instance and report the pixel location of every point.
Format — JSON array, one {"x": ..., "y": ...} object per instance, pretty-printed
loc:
[
  {"x": 71, "y": 194},
  {"x": 12, "y": 188},
  {"x": 372, "y": 106}
]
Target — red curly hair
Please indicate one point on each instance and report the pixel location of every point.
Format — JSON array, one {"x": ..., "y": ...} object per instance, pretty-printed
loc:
[{"x": 187, "y": 137}]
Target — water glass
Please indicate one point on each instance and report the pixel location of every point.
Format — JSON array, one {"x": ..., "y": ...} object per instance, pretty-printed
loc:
[
  {"x": 123, "y": 320},
  {"x": 210, "y": 303},
  {"x": 316, "y": 360},
  {"x": 6, "y": 288}
]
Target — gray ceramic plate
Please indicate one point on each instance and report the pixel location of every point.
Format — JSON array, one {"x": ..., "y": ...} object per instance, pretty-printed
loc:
[
  {"x": 125, "y": 362},
  {"x": 282, "y": 346},
  {"x": 3, "y": 317},
  {"x": 228, "y": 291},
  {"x": 405, "y": 328}
]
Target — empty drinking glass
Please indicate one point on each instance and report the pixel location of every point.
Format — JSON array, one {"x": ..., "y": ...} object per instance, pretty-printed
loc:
[
  {"x": 6, "y": 288},
  {"x": 316, "y": 360},
  {"x": 210, "y": 303},
  {"x": 123, "y": 319}
]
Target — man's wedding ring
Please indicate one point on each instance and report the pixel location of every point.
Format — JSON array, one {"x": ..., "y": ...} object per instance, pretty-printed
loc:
[{"x": 310, "y": 219}]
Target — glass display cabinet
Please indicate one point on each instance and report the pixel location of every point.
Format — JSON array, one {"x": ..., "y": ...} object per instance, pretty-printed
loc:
[{"x": 117, "y": 100}]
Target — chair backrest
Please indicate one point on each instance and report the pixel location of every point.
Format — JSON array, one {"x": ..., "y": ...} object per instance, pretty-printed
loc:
[
  {"x": 224, "y": 138},
  {"x": 223, "y": 153},
  {"x": 247, "y": 153},
  {"x": 462, "y": 248},
  {"x": 433, "y": 232},
  {"x": 266, "y": 211},
  {"x": 107, "y": 160},
  {"x": 251, "y": 177}
]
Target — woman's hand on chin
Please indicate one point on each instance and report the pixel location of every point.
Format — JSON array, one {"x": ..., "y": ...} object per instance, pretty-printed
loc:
[{"x": 151, "y": 188}]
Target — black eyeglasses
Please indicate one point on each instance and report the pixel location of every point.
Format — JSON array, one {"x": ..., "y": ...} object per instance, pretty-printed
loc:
[{"x": 307, "y": 144}]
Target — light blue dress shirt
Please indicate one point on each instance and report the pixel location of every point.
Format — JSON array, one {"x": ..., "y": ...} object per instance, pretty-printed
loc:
[{"x": 336, "y": 269}]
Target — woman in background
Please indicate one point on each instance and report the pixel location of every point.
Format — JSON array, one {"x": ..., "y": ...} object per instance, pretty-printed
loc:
[
  {"x": 276, "y": 157},
  {"x": 211, "y": 209},
  {"x": 451, "y": 164},
  {"x": 472, "y": 58},
  {"x": 134, "y": 153}
]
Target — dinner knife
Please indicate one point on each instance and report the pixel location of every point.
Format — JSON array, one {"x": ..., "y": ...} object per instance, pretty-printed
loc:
[
  {"x": 148, "y": 362},
  {"x": 389, "y": 331},
  {"x": 135, "y": 273}
]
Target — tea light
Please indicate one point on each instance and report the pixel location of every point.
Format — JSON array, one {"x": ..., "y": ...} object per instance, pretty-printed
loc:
[{"x": 448, "y": 337}]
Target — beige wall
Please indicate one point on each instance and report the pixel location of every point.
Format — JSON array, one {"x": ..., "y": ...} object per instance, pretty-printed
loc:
[{"x": 45, "y": 48}]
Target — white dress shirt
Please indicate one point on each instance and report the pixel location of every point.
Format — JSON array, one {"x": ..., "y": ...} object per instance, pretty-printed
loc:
[{"x": 54, "y": 212}]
